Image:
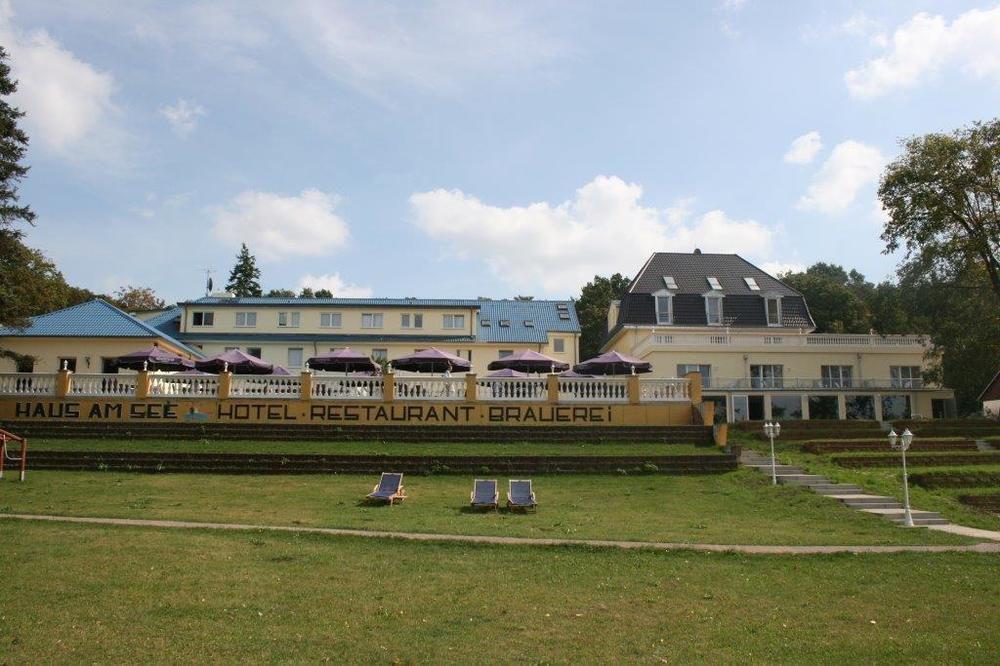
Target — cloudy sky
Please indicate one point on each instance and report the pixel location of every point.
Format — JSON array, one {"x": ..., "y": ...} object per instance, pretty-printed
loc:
[{"x": 458, "y": 149}]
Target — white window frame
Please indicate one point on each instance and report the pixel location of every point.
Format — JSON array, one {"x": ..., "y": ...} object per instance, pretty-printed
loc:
[
  {"x": 207, "y": 318},
  {"x": 669, "y": 282},
  {"x": 375, "y": 319},
  {"x": 767, "y": 310},
  {"x": 708, "y": 310},
  {"x": 905, "y": 376},
  {"x": 380, "y": 355},
  {"x": 290, "y": 319},
  {"x": 249, "y": 319},
  {"x": 453, "y": 322},
  {"x": 302, "y": 357},
  {"x": 713, "y": 283},
  {"x": 404, "y": 320},
  {"x": 418, "y": 320},
  {"x": 669, "y": 319},
  {"x": 769, "y": 376},
  {"x": 330, "y": 317},
  {"x": 837, "y": 376},
  {"x": 752, "y": 284}
]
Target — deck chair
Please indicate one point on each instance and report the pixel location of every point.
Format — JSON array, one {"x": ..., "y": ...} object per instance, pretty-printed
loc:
[
  {"x": 520, "y": 495},
  {"x": 389, "y": 488},
  {"x": 484, "y": 494}
]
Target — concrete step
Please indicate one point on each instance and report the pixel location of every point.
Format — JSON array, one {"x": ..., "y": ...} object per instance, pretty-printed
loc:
[
  {"x": 893, "y": 514},
  {"x": 922, "y": 522},
  {"x": 803, "y": 479},
  {"x": 874, "y": 505},
  {"x": 778, "y": 469},
  {"x": 837, "y": 489}
]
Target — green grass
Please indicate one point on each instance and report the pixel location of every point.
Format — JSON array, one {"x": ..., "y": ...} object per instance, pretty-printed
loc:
[
  {"x": 494, "y": 448},
  {"x": 81, "y": 594},
  {"x": 886, "y": 481},
  {"x": 738, "y": 507}
]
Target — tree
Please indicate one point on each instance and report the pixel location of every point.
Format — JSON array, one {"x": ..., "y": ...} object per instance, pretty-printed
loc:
[
  {"x": 137, "y": 299},
  {"x": 307, "y": 292},
  {"x": 32, "y": 284},
  {"x": 244, "y": 279},
  {"x": 943, "y": 199},
  {"x": 324, "y": 293},
  {"x": 281, "y": 293},
  {"x": 524, "y": 298},
  {"x": 13, "y": 146},
  {"x": 836, "y": 298},
  {"x": 592, "y": 309}
]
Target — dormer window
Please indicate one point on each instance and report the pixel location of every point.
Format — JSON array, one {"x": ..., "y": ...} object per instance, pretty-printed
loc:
[
  {"x": 505, "y": 323},
  {"x": 664, "y": 308},
  {"x": 529, "y": 323},
  {"x": 713, "y": 282},
  {"x": 773, "y": 311},
  {"x": 713, "y": 310},
  {"x": 485, "y": 322},
  {"x": 752, "y": 283},
  {"x": 670, "y": 282}
]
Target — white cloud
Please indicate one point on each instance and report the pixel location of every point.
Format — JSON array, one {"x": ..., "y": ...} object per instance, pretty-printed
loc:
[
  {"x": 804, "y": 148},
  {"x": 182, "y": 116},
  {"x": 276, "y": 227},
  {"x": 336, "y": 284},
  {"x": 558, "y": 247},
  {"x": 925, "y": 45},
  {"x": 69, "y": 104},
  {"x": 728, "y": 9},
  {"x": 851, "y": 166},
  {"x": 782, "y": 267},
  {"x": 859, "y": 24}
]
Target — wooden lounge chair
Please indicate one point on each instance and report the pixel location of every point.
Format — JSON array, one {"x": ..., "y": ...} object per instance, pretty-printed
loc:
[
  {"x": 520, "y": 495},
  {"x": 484, "y": 494},
  {"x": 389, "y": 488}
]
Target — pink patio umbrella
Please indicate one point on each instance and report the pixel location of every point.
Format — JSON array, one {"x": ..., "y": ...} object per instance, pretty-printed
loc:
[
  {"x": 153, "y": 358},
  {"x": 237, "y": 362},
  {"x": 613, "y": 363},
  {"x": 526, "y": 360},
  {"x": 431, "y": 360},
  {"x": 344, "y": 360},
  {"x": 507, "y": 372}
]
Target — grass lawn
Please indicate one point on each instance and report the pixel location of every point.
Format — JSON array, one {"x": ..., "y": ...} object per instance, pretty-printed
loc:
[
  {"x": 78, "y": 594},
  {"x": 375, "y": 448},
  {"x": 888, "y": 481},
  {"x": 738, "y": 507}
]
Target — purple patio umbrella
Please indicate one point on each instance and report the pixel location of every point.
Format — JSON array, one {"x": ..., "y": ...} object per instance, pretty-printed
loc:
[
  {"x": 344, "y": 360},
  {"x": 153, "y": 358},
  {"x": 573, "y": 374},
  {"x": 278, "y": 370},
  {"x": 237, "y": 362},
  {"x": 507, "y": 372},
  {"x": 613, "y": 363},
  {"x": 526, "y": 360},
  {"x": 431, "y": 360},
  {"x": 192, "y": 371}
]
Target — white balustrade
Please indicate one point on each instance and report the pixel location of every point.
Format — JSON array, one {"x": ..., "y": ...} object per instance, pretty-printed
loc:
[
  {"x": 597, "y": 389},
  {"x": 664, "y": 390},
  {"x": 104, "y": 384},
  {"x": 512, "y": 388},
  {"x": 190, "y": 386},
  {"x": 347, "y": 388},
  {"x": 27, "y": 383},
  {"x": 782, "y": 339},
  {"x": 430, "y": 388},
  {"x": 265, "y": 386}
]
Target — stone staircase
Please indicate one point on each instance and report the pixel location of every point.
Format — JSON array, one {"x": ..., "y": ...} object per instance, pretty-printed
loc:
[{"x": 847, "y": 494}]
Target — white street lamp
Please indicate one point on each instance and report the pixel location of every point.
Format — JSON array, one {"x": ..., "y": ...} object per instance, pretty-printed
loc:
[
  {"x": 772, "y": 430},
  {"x": 901, "y": 443}
]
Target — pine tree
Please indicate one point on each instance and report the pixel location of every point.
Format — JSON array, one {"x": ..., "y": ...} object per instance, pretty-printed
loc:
[
  {"x": 13, "y": 146},
  {"x": 244, "y": 279}
]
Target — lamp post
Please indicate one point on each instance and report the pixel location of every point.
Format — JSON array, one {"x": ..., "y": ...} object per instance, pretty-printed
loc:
[
  {"x": 772, "y": 430},
  {"x": 901, "y": 443}
]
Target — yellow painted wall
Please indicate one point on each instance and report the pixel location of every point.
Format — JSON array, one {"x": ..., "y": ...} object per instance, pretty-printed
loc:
[
  {"x": 309, "y": 320},
  {"x": 47, "y": 351}
]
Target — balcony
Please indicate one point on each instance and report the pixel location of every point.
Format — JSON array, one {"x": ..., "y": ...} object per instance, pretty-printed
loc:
[
  {"x": 810, "y": 384},
  {"x": 779, "y": 341}
]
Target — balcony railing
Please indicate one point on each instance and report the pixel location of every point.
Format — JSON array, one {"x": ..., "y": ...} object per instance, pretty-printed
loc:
[
  {"x": 606, "y": 389},
  {"x": 108, "y": 384},
  {"x": 782, "y": 340},
  {"x": 430, "y": 388},
  {"x": 265, "y": 386},
  {"x": 808, "y": 383},
  {"x": 27, "y": 384},
  {"x": 512, "y": 388},
  {"x": 346, "y": 388},
  {"x": 184, "y": 386}
]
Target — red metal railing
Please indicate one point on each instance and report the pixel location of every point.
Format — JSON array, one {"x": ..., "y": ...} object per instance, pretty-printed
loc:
[{"x": 5, "y": 451}]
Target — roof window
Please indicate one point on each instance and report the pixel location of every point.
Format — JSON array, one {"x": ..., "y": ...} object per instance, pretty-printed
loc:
[
  {"x": 670, "y": 282},
  {"x": 752, "y": 283},
  {"x": 529, "y": 323},
  {"x": 713, "y": 282},
  {"x": 485, "y": 322},
  {"x": 505, "y": 323},
  {"x": 564, "y": 316}
]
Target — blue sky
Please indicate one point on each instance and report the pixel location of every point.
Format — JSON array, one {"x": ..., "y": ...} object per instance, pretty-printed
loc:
[{"x": 488, "y": 149}]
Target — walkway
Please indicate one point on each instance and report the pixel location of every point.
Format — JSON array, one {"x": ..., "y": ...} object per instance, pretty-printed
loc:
[
  {"x": 513, "y": 541},
  {"x": 856, "y": 498}
]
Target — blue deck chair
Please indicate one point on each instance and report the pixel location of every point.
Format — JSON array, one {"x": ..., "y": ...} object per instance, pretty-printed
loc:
[
  {"x": 389, "y": 489},
  {"x": 520, "y": 495},
  {"x": 484, "y": 494}
]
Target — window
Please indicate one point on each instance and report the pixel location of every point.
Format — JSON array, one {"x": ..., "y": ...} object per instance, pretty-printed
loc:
[
  {"x": 752, "y": 283},
  {"x": 704, "y": 369},
  {"x": 664, "y": 309},
  {"x": 26, "y": 364},
  {"x": 255, "y": 351},
  {"x": 767, "y": 376},
  {"x": 246, "y": 319},
  {"x": 67, "y": 363},
  {"x": 860, "y": 407},
  {"x": 464, "y": 353},
  {"x": 329, "y": 320},
  {"x": 202, "y": 318},
  {"x": 836, "y": 376},
  {"x": 380, "y": 355},
  {"x": 669, "y": 282},
  {"x": 824, "y": 407},
  {"x": 773, "y": 311},
  {"x": 407, "y": 320},
  {"x": 371, "y": 320},
  {"x": 295, "y": 357},
  {"x": 564, "y": 316},
  {"x": 786, "y": 407},
  {"x": 288, "y": 319},
  {"x": 905, "y": 376},
  {"x": 895, "y": 407},
  {"x": 485, "y": 322},
  {"x": 505, "y": 323},
  {"x": 713, "y": 282},
  {"x": 404, "y": 320},
  {"x": 529, "y": 323},
  {"x": 504, "y": 353},
  {"x": 713, "y": 310},
  {"x": 559, "y": 345},
  {"x": 454, "y": 321},
  {"x": 229, "y": 349}
]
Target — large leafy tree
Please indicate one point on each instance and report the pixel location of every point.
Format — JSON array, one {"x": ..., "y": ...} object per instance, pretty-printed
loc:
[
  {"x": 592, "y": 309},
  {"x": 137, "y": 299},
  {"x": 244, "y": 279},
  {"x": 836, "y": 298},
  {"x": 281, "y": 293},
  {"x": 942, "y": 195}
]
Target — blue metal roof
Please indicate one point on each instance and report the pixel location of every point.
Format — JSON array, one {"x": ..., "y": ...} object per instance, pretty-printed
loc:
[
  {"x": 544, "y": 314},
  {"x": 93, "y": 319},
  {"x": 339, "y": 302}
]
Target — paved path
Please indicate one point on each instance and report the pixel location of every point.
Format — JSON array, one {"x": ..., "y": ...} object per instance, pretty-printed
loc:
[{"x": 517, "y": 541}]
